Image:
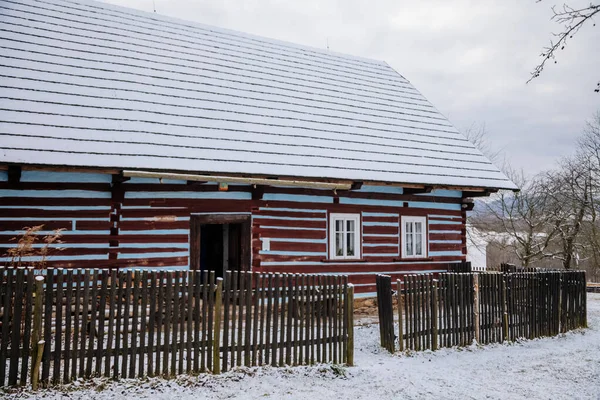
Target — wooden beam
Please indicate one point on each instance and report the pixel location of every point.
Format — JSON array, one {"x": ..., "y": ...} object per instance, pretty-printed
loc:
[
  {"x": 205, "y": 219},
  {"x": 14, "y": 175},
  {"x": 240, "y": 180},
  {"x": 356, "y": 185},
  {"x": 258, "y": 192},
  {"x": 196, "y": 183},
  {"x": 119, "y": 178},
  {"x": 425, "y": 189}
]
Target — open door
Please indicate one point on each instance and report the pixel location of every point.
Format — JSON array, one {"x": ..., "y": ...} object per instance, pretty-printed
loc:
[{"x": 220, "y": 243}]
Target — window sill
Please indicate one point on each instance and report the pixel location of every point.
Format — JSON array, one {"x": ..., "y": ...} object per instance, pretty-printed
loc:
[
  {"x": 413, "y": 259},
  {"x": 343, "y": 260}
]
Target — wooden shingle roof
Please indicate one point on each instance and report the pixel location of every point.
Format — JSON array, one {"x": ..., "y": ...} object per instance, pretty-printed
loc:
[{"x": 85, "y": 83}]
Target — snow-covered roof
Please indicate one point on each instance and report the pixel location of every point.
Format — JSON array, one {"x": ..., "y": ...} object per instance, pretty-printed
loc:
[{"x": 90, "y": 84}]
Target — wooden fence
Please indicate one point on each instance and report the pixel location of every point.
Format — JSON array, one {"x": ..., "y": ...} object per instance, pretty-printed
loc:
[
  {"x": 386, "y": 314},
  {"x": 457, "y": 308},
  {"x": 149, "y": 323},
  {"x": 463, "y": 267}
]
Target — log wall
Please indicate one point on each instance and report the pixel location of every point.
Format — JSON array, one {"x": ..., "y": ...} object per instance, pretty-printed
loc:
[{"x": 145, "y": 223}]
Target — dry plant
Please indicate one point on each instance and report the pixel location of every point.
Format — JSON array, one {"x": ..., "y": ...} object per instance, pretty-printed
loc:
[{"x": 26, "y": 247}]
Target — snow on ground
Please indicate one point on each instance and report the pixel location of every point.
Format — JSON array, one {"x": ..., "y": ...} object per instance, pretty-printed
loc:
[{"x": 564, "y": 367}]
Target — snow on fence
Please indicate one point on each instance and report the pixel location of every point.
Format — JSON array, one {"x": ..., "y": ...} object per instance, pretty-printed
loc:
[
  {"x": 131, "y": 324},
  {"x": 457, "y": 308}
]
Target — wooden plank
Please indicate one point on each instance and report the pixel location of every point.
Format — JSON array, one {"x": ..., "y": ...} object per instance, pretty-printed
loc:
[
  {"x": 120, "y": 281},
  {"x": 167, "y": 320},
  {"x": 289, "y": 322},
  {"x": 126, "y": 323},
  {"x": 322, "y": 331},
  {"x": 334, "y": 319},
  {"x": 267, "y": 331},
  {"x": 48, "y": 306},
  {"x": 418, "y": 310},
  {"x": 151, "y": 278},
  {"x": 17, "y": 314},
  {"x": 226, "y": 303},
  {"x": 103, "y": 298},
  {"x": 345, "y": 316},
  {"x": 92, "y": 313},
  {"x": 175, "y": 314},
  {"x": 36, "y": 333},
  {"x": 276, "y": 284},
  {"x": 248, "y": 322},
  {"x": 350, "y": 324},
  {"x": 240, "y": 330},
  {"x": 427, "y": 310},
  {"x": 160, "y": 324},
  {"x": 211, "y": 304},
  {"x": 217, "y": 326},
  {"x": 205, "y": 326},
  {"x": 234, "y": 304},
  {"x": 255, "y": 314},
  {"x": 196, "y": 281},
  {"x": 182, "y": 311},
  {"x": 29, "y": 289},
  {"x": 283, "y": 322},
  {"x": 143, "y": 316},
  {"x": 302, "y": 314},
  {"x": 112, "y": 293},
  {"x": 261, "y": 325},
  {"x": 295, "y": 334}
]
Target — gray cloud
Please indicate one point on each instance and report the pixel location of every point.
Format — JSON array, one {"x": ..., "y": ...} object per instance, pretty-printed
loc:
[{"x": 470, "y": 58}]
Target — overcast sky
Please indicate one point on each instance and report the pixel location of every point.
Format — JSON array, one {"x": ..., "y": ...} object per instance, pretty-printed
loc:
[{"x": 471, "y": 59}]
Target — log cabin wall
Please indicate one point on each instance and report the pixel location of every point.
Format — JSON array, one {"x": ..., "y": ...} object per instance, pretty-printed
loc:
[{"x": 145, "y": 223}]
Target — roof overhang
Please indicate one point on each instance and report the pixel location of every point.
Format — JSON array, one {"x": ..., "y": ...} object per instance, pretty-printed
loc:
[{"x": 274, "y": 180}]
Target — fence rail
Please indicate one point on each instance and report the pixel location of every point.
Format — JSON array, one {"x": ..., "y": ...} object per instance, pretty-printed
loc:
[
  {"x": 147, "y": 323},
  {"x": 457, "y": 308}
]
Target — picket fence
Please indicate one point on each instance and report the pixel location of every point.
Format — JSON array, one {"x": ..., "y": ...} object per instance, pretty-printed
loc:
[
  {"x": 454, "y": 309},
  {"x": 60, "y": 325}
]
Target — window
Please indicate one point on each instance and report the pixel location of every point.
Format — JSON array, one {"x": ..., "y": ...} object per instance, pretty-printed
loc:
[
  {"x": 414, "y": 237},
  {"x": 344, "y": 236}
]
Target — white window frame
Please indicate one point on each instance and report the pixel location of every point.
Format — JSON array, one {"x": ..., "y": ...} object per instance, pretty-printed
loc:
[
  {"x": 424, "y": 236},
  {"x": 333, "y": 217}
]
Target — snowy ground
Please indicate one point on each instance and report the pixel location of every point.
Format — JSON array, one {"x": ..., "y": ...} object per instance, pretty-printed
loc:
[{"x": 565, "y": 367}]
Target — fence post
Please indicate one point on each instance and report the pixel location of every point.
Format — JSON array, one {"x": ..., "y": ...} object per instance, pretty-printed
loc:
[
  {"x": 350, "y": 322},
  {"x": 36, "y": 344},
  {"x": 476, "y": 315},
  {"x": 217, "y": 328},
  {"x": 560, "y": 299},
  {"x": 504, "y": 310},
  {"x": 434, "y": 316},
  {"x": 400, "y": 308}
]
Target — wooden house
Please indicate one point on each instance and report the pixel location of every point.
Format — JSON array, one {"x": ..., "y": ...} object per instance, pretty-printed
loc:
[{"x": 156, "y": 142}]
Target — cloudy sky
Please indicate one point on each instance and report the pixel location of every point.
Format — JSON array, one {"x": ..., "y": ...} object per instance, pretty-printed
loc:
[{"x": 471, "y": 59}]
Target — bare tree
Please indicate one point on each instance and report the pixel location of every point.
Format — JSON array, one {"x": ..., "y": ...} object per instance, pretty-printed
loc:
[
  {"x": 569, "y": 193},
  {"x": 524, "y": 221},
  {"x": 571, "y": 20},
  {"x": 589, "y": 144}
]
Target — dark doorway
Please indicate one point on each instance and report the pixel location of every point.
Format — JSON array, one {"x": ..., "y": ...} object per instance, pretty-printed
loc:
[{"x": 220, "y": 243}]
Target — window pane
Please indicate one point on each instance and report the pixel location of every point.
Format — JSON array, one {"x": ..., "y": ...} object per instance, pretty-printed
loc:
[
  {"x": 418, "y": 244},
  {"x": 409, "y": 244},
  {"x": 350, "y": 243},
  {"x": 339, "y": 225},
  {"x": 350, "y": 225},
  {"x": 409, "y": 227},
  {"x": 339, "y": 244},
  {"x": 418, "y": 227}
]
